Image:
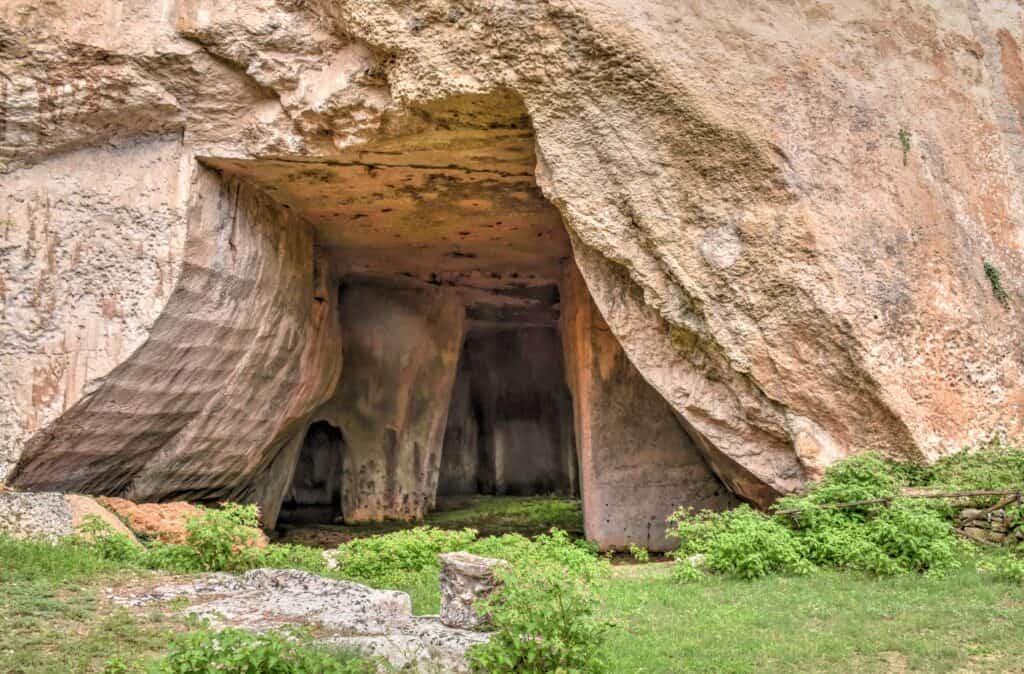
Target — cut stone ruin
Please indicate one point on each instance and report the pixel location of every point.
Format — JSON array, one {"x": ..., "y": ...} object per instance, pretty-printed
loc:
[
  {"x": 375, "y": 622},
  {"x": 245, "y": 243},
  {"x": 466, "y": 579}
]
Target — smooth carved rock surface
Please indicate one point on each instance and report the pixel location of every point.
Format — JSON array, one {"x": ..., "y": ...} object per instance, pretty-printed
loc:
[
  {"x": 466, "y": 578},
  {"x": 792, "y": 281},
  {"x": 637, "y": 463},
  {"x": 377, "y": 622}
]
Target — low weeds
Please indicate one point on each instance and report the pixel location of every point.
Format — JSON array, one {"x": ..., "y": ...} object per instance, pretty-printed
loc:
[
  {"x": 219, "y": 539},
  {"x": 235, "y": 651}
]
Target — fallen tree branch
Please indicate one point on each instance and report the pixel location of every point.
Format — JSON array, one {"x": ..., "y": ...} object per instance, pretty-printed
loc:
[{"x": 1001, "y": 503}]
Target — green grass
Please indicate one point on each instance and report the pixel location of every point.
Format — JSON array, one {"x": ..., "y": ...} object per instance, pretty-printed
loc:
[
  {"x": 827, "y": 622},
  {"x": 489, "y": 515},
  {"x": 53, "y": 617}
]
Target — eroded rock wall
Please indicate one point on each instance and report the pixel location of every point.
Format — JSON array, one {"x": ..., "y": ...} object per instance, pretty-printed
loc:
[
  {"x": 246, "y": 348},
  {"x": 525, "y": 413},
  {"x": 460, "y": 456},
  {"x": 91, "y": 247},
  {"x": 401, "y": 349}
]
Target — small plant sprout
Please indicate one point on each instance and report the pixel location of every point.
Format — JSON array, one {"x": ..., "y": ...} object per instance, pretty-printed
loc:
[
  {"x": 640, "y": 554},
  {"x": 905, "y": 144},
  {"x": 997, "y": 285}
]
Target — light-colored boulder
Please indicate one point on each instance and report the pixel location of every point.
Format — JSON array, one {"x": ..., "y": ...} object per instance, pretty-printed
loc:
[
  {"x": 51, "y": 516},
  {"x": 376, "y": 622}
]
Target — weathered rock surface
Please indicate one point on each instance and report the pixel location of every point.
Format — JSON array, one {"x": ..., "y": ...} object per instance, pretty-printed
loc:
[
  {"x": 795, "y": 281},
  {"x": 51, "y": 516},
  {"x": 465, "y": 578},
  {"x": 637, "y": 464},
  {"x": 401, "y": 348},
  {"x": 377, "y": 622}
]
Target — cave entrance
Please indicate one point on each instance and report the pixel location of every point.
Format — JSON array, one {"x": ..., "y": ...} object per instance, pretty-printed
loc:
[
  {"x": 474, "y": 359},
  {"x": 315, "y": 492}
]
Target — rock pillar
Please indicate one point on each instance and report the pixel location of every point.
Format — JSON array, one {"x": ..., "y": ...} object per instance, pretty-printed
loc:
[
  {"x": 637, "y": 464},
  {"x": 401, "y": 349}
]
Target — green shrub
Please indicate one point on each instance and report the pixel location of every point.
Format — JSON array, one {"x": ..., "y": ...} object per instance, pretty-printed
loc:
[
  {"x": 545, "y": 620},
  {"x": 993, "y": 465},
  {"x": 639, "y": 554},
  {"x": 223, "y": 538},
  {"x": 1006, "y": 566},
  {"x": 235, "y": 651},
  {"x": 172, "y": 557},
  {"x": 116, "y": 547},
  {"x": 859, "y": 478},
  {"x": 916, "y": 536},
  {"x": 289, "y": 556},
  {"x": 388, "y": 560},
  {"x": 740, "y": 542},
  {"x": 575, "y": 557}
]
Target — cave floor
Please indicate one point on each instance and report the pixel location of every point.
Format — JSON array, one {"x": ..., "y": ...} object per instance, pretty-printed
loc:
[{"x": 489, "y": 515}]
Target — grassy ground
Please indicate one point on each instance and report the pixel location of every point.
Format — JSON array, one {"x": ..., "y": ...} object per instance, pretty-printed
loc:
[
  {"x": 490, "y": 515},
  {"x": 54, "y": 616},
  {"x": 827, "y": 622}
]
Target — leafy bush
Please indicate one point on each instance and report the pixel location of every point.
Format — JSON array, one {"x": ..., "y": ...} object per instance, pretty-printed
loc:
[
  {"x": 389, "y": 559},
  {"x": 915, "y": 536},
  {"x": 859, "y": 478},
  {"x": 1006, "y": 566},
  {"x": 575, "y": 557},
  {"x": 897, "y": 536},
  {"x": 639, "y": 554},
  {"x": 994, "y": 465},
  {"x": 545, "y": 621},
  {"x": 235, "y": 651},
  {"x": 172, "y": 557},
  {"x": 111, "y": 545},
  {"x": 223, "y": 538},
  {"x": 289, "y": 556},
  {"x": 740, "y": 542}
]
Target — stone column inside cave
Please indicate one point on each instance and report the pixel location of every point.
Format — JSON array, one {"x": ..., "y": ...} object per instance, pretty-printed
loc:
[{"x": 448, "y": 344}]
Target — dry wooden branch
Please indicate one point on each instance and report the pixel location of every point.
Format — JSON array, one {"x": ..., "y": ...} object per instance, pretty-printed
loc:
[{"x": 1001, "y": 503}]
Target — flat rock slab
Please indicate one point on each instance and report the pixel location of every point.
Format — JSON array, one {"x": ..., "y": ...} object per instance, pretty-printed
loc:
[{"x": 376, "y": 622}]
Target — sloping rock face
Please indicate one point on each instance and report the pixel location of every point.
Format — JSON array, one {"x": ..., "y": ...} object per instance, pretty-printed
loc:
[{"x": 798, "y": 227}]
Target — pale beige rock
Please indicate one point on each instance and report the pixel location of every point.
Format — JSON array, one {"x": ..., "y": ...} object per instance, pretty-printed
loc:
[
  {"x": 794, "y": 283},
  {"x": 85, "y": 507},
  {"x": 466, "y": 579}
]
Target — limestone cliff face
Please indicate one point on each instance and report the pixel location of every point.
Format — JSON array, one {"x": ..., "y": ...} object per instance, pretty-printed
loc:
[{"x": 783, "y": 212}]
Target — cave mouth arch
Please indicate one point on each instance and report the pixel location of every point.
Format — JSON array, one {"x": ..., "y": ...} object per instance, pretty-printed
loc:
[
  {"x": 344, "y": 287},
  {"x": 474, "y": 359},
  {"x": 315, "y": 492}
]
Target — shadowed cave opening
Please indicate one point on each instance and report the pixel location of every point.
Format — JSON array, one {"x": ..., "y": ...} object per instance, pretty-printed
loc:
[
  {"x": 315, "y": 492},
  {"x": 474, "y": 360},
  {"x": 510, "y": 426}
]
